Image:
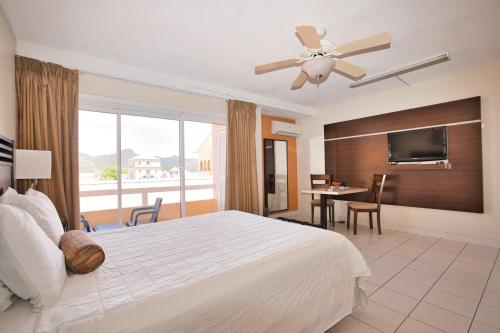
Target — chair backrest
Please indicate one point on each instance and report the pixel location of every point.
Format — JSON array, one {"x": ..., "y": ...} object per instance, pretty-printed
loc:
[
  {"x": 377, "y": 188},
  {"x": 156, "y": 210},
  {"x": 320, "y": 182}
]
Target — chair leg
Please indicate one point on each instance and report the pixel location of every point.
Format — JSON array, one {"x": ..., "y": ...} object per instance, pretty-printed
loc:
[
  {"x": 333, "y": 217},
  {"x": 330, "y": 213},
  {"x": 312, "y": 214},
  {"x": 371, "y": 219},
  {"x": 348, "y": 217},
  {"x": 355, "y": 222},
  {"x": 378, "y": 223}
]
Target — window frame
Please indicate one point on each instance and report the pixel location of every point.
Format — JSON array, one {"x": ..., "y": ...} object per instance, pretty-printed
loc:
[{"x": 121, "y": 107}]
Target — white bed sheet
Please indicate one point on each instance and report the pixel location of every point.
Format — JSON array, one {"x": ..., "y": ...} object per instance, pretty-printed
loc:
[{"x": 221, "y": 272}]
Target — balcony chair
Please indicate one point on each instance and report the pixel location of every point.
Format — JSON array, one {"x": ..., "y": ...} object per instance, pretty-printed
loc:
[
  {"x": 133, "y": 221},
  {"x": 368, "y": 207}
]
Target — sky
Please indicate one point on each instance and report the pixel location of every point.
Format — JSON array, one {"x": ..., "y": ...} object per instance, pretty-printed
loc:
[{"x": 145, "y": 136}]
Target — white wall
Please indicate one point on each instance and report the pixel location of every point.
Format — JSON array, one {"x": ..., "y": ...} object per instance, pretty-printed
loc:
[
  {"x": 482, "y": 81},
  {"x": 7, "y": 79}
]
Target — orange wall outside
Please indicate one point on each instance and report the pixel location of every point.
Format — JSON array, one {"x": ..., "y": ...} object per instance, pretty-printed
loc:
[
  {"x": 167, "y": 212},
  {"x": 292, "y": 157}
]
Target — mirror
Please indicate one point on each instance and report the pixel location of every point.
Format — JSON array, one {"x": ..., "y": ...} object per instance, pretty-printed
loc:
[{"x": 276, "y": 175}]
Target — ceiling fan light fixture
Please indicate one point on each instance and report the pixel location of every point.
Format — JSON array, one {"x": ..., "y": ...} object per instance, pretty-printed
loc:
[{"x": 318, "y": 67}]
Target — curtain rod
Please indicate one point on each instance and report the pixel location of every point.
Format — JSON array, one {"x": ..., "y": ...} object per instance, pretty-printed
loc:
[{"x": 198, "y": 92}]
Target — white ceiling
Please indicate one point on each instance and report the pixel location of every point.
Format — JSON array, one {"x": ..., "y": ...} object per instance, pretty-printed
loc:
[{"x": 219, "y": 42}]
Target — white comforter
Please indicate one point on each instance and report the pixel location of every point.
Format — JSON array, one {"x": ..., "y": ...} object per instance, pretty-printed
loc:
[{"x": 221, "y": 272}]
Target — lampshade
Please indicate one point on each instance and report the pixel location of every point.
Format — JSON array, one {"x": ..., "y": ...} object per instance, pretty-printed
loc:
[
  {"x": 33, "y": 164},
  {"x": 318, "y": 67}
]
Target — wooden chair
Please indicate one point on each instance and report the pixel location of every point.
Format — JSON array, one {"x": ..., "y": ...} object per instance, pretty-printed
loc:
[
  {"x": 325, "y": 180},
  {"x": 368, "y": 207}
]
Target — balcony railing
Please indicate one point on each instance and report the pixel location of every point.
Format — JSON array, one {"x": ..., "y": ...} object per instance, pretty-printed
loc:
[{"x": 200, "y": 199}]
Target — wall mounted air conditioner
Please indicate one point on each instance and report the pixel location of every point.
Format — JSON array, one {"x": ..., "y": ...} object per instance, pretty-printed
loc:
[{"x": 281, "y": 128}]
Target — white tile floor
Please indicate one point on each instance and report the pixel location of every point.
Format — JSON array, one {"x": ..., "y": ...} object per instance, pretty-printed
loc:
[{"x": 425, "y": 284}]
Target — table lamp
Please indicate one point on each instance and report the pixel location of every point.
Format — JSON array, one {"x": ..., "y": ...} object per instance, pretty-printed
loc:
[{"x": 33, "y": 164}]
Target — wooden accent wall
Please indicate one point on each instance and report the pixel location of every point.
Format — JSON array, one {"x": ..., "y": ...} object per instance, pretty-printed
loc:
[
  {"x": 292, "y": 157},
  {"x": 355, "y": 160}
]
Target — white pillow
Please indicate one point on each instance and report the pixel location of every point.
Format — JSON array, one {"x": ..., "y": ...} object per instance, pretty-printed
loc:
[
  {"x": 40, "y": 207},
  {"x": 6, "y": 297},
  {"x": 31, "y": 266}
]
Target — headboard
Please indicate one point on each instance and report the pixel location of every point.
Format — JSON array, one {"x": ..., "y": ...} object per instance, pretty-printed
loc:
[{"x": 6, "y": 163}]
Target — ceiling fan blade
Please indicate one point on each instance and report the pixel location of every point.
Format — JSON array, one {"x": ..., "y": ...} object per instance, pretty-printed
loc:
[
  {"x": 308, "y": 36},
  {"x": 275, "y": 65},
  {"x": 366, "y": 44},
  {"x": 351, "y": 71},
  {"x": 299, "y": 81}
]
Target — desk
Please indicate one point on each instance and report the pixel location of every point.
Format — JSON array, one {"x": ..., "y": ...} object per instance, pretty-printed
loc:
[{"x": 325, "y": 193}]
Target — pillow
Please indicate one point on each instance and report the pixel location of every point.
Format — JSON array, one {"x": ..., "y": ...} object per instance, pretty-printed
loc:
[
  {"x": 31, "y": 266},
  {"x": 6, "y": 297},
  {"x": 40, "y": 207},
  {"x": 81, "y": 253}
]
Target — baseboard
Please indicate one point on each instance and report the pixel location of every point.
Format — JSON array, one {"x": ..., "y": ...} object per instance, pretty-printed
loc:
[
  {"x": 397, "y": 227},
  {"x": 431, "y": 233}
]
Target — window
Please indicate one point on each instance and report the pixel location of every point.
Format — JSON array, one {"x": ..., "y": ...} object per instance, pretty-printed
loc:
[{"x": 183, "y": 162}]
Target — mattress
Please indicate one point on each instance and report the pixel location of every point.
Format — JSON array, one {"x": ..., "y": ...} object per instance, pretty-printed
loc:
[{"x": 221, "y": 272}]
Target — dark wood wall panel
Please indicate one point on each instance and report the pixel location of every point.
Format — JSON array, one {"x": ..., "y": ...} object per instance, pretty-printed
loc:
[
  {"x": 355, "y": 160},
  {"x": 437, "y": 114}
]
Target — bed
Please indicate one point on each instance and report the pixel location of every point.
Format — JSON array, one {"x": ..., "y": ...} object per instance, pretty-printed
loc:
[{"x": 221, "y": 272}]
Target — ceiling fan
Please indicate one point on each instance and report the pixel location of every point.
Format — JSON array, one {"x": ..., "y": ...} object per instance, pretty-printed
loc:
[{"x": 320, "y": 56}]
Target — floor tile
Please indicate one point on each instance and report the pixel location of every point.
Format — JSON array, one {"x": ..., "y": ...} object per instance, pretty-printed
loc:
[
  {"x": 479, "y": 327},
  {"x": 395, "y": 259},
  {"x": 465, "y": 278},
  {"x": 425, "y": 267},
  {"x": 481, "y": 250},
  {"x": 370, "y": 287},
  {"x": 449, "y": 246},
  {"x": 476, "y": 260},
  {"x": 414, "y": 247},
  {"x": 494, "y": 282},
  {"x": 488, "y": 315},
  {"x": 451, "y": 302},
  {"x": 491, "y": 298},
  {"x": 379, "y": 316},
  {"x": 497, "y": 265},
  {"x": 405, "y": 253},
  {"x": 385, "y": 267},
  {"x": 351, "y": 325},
  {"x": 473, "y": 269},
  {"x": 394, "y": 300},
  {"x": 418, "y": 277},
  {"x": 407, "y": 288},
  {"x": 411, "y": 325},
  {"x": 435, "y": 260},
  {"x": 441, "y": 254},
  {"x": 440, "y": 318},
  {"x": 459, "y": 289},
  {"x": 379, "y": 278}
]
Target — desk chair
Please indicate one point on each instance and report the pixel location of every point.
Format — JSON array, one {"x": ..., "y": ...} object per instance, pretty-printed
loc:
[
  {"x": 368, "y": 207},
  {"x": 322, "y": 182}
]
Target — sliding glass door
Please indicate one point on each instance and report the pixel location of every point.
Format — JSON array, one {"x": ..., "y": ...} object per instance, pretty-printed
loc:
[
  {"x": 150, "y": 164},
  {"x": 182, "y": 162},
  {"x": 205, "y": 152}
]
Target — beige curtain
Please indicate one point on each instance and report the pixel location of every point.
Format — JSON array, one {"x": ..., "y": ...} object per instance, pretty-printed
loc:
[
  {"x": 241, "y": 175},
  {"x": 47, "y": 106}
]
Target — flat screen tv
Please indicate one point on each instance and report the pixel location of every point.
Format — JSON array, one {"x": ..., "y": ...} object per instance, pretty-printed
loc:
[{"x": 429, "y": 144}]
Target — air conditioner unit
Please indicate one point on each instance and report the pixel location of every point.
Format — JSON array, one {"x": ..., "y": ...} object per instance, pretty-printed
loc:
[{"x": 282, "y": 128}]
